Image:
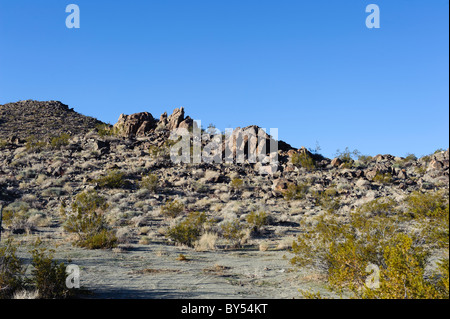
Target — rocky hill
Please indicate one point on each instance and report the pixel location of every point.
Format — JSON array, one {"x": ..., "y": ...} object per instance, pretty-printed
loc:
[
  {"x": 130, "y": 167},
  {"x": 42, "y": 120}
]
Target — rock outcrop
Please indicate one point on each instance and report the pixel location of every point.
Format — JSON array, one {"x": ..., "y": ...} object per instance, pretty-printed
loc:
[{"x": 137, "y": 124}]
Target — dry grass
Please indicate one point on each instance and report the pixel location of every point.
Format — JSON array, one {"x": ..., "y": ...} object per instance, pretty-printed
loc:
[{"x": 206, "y": 242}]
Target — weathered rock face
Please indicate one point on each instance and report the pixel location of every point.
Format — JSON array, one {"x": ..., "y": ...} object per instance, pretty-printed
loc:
[
  {"x": 250, "y": 142},
  {"x": 175, "y": 118},
  {"x": 137, "y": 124}
]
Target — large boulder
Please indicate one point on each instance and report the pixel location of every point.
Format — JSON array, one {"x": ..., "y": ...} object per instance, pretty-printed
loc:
[
  {"x": 137, "y": 124},
  {"x": 175, "y": 119}
]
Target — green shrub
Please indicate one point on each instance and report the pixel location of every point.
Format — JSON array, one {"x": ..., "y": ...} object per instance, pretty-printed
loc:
[
  {"x": 59, "y": 141},
  {"x": 295, "y": 192},
  {"x": 431, "y": 210},
  {"x": 257, "y": 220},
  {"x": 410, "y": 158},
  {"x": 236, "y": 184},
  {"x": 114, "y": 179},
  {"x": 11, "y": 270},
  {"x": 106, "y": 130},
  {"x": 328, "y": 199},
  {"x": 303, "y": 160},
  {"x": 150, "y": 182},
  {"x": 172, "y": 208},
  {"x": 88, "y": 222},
  {"x": 104, "y": 239},
  {"x": 347, "y": 156},
  {"x": 33, "y": 144},
  {"x": 188, "y": 231},
  {"x": 233, "y": 231},
  {"x": 383, "y": 178},
  {"x": 3, "y": 144},
  {"x": 48, "y": 276},
  {"x": 365, "y": 159},
  {"x": 378, "y": 207},
  {"x": 375, "y": 234}
]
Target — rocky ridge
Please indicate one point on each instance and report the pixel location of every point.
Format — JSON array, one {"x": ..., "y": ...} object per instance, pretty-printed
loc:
[{"x": 43, "y": 182}]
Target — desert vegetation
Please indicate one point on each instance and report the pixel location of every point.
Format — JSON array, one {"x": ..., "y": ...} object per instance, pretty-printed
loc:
[{"x": 110, "y": 199}]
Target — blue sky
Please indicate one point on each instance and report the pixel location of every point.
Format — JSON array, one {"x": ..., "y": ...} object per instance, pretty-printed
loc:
[{"x": 310, "y": 68}]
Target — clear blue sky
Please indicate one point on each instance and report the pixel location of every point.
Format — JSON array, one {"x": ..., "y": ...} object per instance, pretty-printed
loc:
[{"x": 309, "y": 68}]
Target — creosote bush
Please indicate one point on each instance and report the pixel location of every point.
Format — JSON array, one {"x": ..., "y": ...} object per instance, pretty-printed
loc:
[
  {"x": 257, "y": 220},
  {"x": 172, "y": 208},
  {"x": 33, "y": 144},
  {"x": 296, "y": 192},
  {"x": 233, "y": 231},
  {"x": 236, "y": 184},
  {"x": 303, "y": 160},
  {"x": 378, "y": 234},
  {"x": 383, "y": 178},
  {"x": 328, "y": 199},
  {"x": 88, "y": 222},
  {"x": 59, "y": 141},
  {"x": 347, "y": 156},
  {"x": 150, "y": 182},
  {"x": 188, "y": 231},
  {"x": 48, "y": 275},
  {"x": 106, "y": 130},
  {"x": 11, "y": 270},
  {"x": 114, "y": 179}
]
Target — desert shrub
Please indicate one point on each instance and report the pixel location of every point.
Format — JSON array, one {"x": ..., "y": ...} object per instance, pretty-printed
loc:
[
  {"x": 114, "y": 179},
  {"x": 88, "y": 222},
  {"x": 383, "y": 178},
  {"x": 106, "y": 130},
  {"x": 365, "y": 159},
  {"x": 59, "y": 141},
  {"x": 150, "y": 182},
  {"x": 33, "y": 144},
  {"x": 207, "y": 241},
  {"x": 232, "y": 231},
  {"x": 200, "y": 187},
  {"x": 410, "y": 158},
  {"x": 11, "y": 270},
  {"x": 431, "y": 211},
  {"x": 257, "y": 220},
  {"x": 303, "y": 160},
  {"x": 236, "y": 184},
  {"x": 375, "y": 235},
  {"x": 3, "y": 144},
  {"x": 104, "y": 239},
  {"x": 379, "y": 207},
  {"x": 48, "y": 275},
  {"x": 188, "y": 231},
  {"x": 328, "y": 199},
  {"x": 15, "y": 216},
  {"x": 172, "y": 208},
  {"x": 161, "y": 152},
  {"x": 347, "y": 156},
  {"x": 295, "y": 192}
]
